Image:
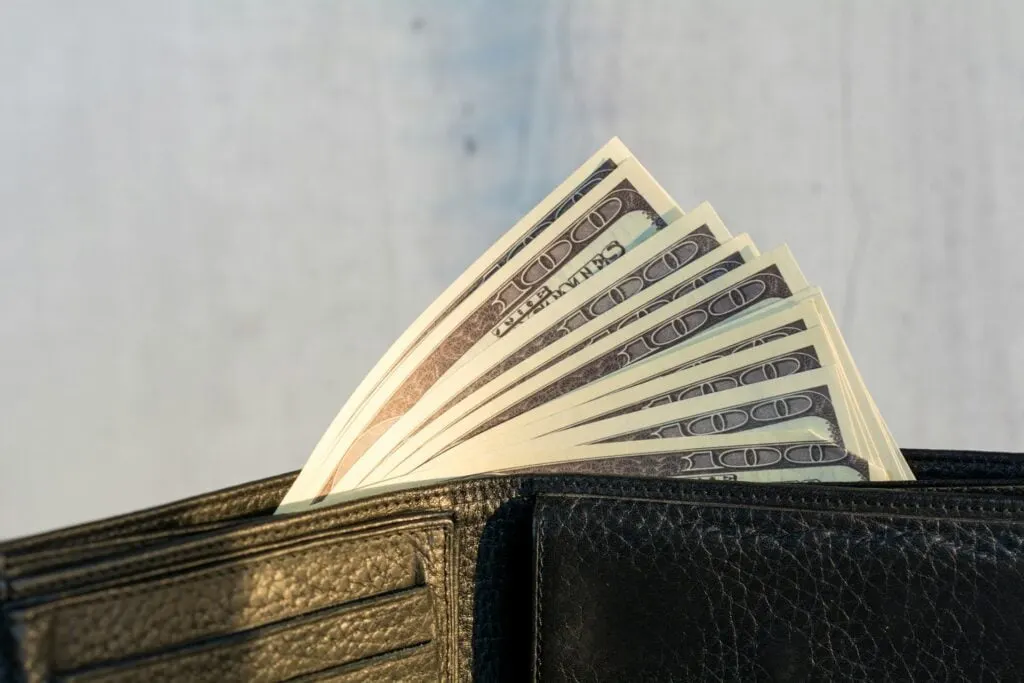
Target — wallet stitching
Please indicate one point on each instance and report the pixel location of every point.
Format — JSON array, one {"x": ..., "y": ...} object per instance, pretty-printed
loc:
[
  {"x": 539, "y": 610},
  {"x": 447, "y": 650},
  {"x": 214, "y": 572},
  {"x": 440, "y": 617},
  {"x": 464, "y": 561},
  {"x": 754, "y": 497},
  {"x": 956, "y": 456},
  {"x": 908, "y": 511},
  {"x": 968, "y": 527},
  {"x": 208, "y": 502},
  {"x": 478, "y": 491},
  {"x": 473, "y": 492},
  {"x": 995, "y": 465},
  {"x": 969, "y": 460},
  {"x": 472, "y": 513}
]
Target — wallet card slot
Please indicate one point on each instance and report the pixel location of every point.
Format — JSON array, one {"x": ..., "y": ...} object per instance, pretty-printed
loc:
[
  {"x": 307, "y": 644},
  {"x": 640, "y": 589},
  {"x": 60, "y": 557},
  {"x": 229, "y": 504},
  {"x": 174, "y": 557},
  {"x": 417, "y": 664},
  {"x": 214, "y": 599}
]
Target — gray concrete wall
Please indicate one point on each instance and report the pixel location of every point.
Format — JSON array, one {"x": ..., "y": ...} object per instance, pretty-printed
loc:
[{"x": 214, "y": 216}]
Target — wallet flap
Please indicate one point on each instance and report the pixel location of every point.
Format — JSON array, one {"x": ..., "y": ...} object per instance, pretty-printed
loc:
[{"x": 656, "y": 590}]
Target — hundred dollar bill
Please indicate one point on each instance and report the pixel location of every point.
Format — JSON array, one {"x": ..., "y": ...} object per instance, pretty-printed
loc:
[
  {"x": 784, "y": 455},
  {"x": 880, "y": 434},
  {"x": 672, "y": 258},
  {"x": 571, "y": 191},
  {"x": 881, "y": 438},
  {"x": 617, "y": 214},
  {"x": 867, "y": 415},
  {"x": 783, "y": 320},
  {"x": 806, "y": 459},
  {"x": 675, "y": 248},
  {"x": 811, "y": 401},
  {"x": 791, "y": 355},
  {"x": 798, "y": 316},
  {"x": 800, "y": 352},
  {"x": 574, "y": 361}
]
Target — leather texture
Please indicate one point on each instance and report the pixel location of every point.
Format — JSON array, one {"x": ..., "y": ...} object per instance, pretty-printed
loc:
[
  {"x": 766, "y": 593},
  {"x": 555, "y": 577},
  {"x": 308, "y": 644}
]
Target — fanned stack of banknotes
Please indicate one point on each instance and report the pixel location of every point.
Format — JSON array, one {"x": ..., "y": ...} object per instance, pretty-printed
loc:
[{"x": 608, "y": 332}]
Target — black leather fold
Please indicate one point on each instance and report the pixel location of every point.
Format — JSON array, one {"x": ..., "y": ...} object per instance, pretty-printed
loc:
[
  {"x": 554, "y": 577},
  {"x": 655, "y": 590}
]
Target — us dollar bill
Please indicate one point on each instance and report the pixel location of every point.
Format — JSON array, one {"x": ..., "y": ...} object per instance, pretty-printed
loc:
[
  {"x": 780, "y": 456},
  {"x": 771, "y": 277},
  {"x": 881, "y": 437},
  {"x": 811, "y": 401},
  {"x": 791, "y": 355},
  {"x": 608, "y": 334},
  {"x": 799, "y": 314},
  {"x": 815, "y": 395},
  {"x": 807, "y": 460},
  {"x": 530, "y": 227},
  {"x": 673, "y": 263},
  {"x": 674, "y": 249},
  {"x": 801, "y": 352},
  {"x": 619, "y": 213},
  {"x": 785, "y": 455}
]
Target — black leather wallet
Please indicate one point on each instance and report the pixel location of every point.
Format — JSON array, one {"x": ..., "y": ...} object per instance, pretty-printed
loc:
[{"x": 549, "y": 577}]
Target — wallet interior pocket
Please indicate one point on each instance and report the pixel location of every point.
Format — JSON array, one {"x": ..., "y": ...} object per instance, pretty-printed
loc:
[
  {"x": 412, "y": 665},
  {"x": 325, "y": 643},
  {"x": 179, "y": 555},
  {"x": 632, "y": 589},
  {"x": 190, "y": 602}
]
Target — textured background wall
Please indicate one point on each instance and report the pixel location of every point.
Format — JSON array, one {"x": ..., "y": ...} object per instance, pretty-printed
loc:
[{"x": 215, "y": 216}]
